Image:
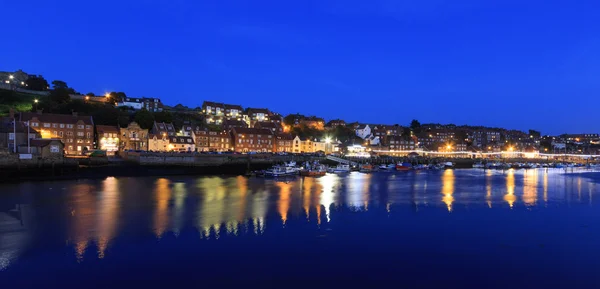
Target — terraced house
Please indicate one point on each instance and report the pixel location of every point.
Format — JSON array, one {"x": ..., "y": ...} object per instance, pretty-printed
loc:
[
  {"x": 75, "y": 131},
  {"x": 252, "y": 139}
]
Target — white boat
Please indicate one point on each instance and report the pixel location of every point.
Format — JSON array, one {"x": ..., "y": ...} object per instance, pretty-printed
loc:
[
  {"x": 390, "y": 167},
  {"x": 281, "y": 171},
  {"x": 448, "y": 165},
  {"x": 340, "y": 168}
]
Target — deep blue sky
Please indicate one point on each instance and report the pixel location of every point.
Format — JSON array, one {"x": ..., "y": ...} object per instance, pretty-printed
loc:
[{"x": 516, "y": 64}]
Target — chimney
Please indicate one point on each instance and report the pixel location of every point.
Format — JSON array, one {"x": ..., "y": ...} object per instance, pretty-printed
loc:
[{"x": 11, "y": 113}]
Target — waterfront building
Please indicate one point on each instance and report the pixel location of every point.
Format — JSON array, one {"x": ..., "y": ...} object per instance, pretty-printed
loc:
[
  {"x": 8, "y": 136},
  {"x": 313, "y": 122},
  {"x": 158, "y": 143},
  {"x": 201, "y": 139},
  {"x": 133, "y": 137},
  {"x": 486, "y": 137},
  {"x": 107, "y": 138},
  {"x": 75, "y": 131},
  {"x": 164, "y": 129},
  {"x": 284, "y": 142},
  {"x": 181, "y": 144},
  {"x": 219, "y": 141},
  {"x": 252, "y": 140},
  {"x": 45, "y": 148}
]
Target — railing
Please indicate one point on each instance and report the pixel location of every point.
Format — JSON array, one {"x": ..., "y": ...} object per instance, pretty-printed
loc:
[{"x": 340, "y": 160}]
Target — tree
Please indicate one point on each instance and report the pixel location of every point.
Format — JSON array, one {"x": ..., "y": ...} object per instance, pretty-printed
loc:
[
  {"x": 59, "y": 95},
  {"x": 536, "y": 134},
  {"x": 59, "y": 84},
  {"x": 90, "y": 94},
  {"x": 144, "y": 118},
  {"x": 163, "y": 116},
  {"x": 37, "y": 83},
  {"x": 415, "y": 124}
]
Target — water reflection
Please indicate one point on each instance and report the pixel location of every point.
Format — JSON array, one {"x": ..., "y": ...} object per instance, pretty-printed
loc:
[
  {"x": 97, "y": 212},
  {"x": 162, "y": 196},
  {"x": 510, "y": 197},
  {"x": 530, "y": 187},
  {"x": 448, "y": 188},
  {"x": 107, "y": 214}
]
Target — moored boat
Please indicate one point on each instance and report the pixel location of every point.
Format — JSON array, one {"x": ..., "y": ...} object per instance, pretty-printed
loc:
[
  {"x": 366, "y": 168},
  {"x": 404, "y": 167},
  {"x": 339, "y": 169}
]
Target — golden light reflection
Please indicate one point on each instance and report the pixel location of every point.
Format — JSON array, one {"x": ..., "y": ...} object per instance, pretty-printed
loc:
[
  {"x": 530, "y": 187},
  {"x": 283, "y": 204},
  {"x": 510, "y": 197},
  {"x": 107, "y": 214},
  {"x": 448, "y": 188},
  {"x": 579, "y": 189},
  {"x": 488, "y": 188},
  {"x": 162, "y": 196},
  {"x": 83, "y": 213},
  {"x": 307, "y": 184},
  {"x": 212, "y": 205}
]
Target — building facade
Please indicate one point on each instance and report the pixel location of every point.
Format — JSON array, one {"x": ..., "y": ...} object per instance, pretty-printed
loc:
[
  {"x": 75, "y": 131},
  {"x": 284, "y": 142},
  {"x": 252, "y": 140},
  {"x": 181, "y": 144},
  {"x": 158, "y": 143},
  {"x": 107, "y": 138},
  {"x": 133, "y": 137}
]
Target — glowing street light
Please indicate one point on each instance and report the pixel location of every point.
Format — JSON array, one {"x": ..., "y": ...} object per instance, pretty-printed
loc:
[{"x": 11, "y": 76}]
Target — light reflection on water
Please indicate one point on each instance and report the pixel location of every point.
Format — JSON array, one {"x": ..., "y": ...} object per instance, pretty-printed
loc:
[{"x": 234, "y": 206}]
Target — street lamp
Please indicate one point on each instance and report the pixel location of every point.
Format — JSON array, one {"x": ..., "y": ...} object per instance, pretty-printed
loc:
[{"x": 11, "y": 76}]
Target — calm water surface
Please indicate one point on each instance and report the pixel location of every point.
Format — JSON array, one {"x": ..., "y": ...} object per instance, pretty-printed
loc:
[{"x": 452, "y": 229}]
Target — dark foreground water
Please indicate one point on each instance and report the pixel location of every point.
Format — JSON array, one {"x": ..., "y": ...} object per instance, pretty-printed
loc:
[{"x": 449, "y": 229}]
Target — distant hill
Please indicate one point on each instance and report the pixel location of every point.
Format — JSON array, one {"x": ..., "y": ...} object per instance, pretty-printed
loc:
[{"x": 20, "y": 101}]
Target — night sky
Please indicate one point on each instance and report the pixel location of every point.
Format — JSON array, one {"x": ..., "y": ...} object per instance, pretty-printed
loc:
[{"x": 514, "y": 64}]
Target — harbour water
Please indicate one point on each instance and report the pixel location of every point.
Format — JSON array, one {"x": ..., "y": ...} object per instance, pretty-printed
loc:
[{"x": 452, "y": 229}]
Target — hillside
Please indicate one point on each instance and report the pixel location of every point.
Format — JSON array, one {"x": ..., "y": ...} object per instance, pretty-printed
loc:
[{"x": 20, "y": 101}]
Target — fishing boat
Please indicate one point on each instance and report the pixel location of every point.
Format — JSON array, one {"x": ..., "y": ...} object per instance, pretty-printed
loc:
[
  {"x": 366, "y": 168},
  {"x": 280, "y": 171},
  {"x": 313, "y": 170},
  {"x": 404, "y": 167},
  {"x": 339, "y": 169},
  {"x": 448, "y": 165},
  {"x": 389, "y": 167}
]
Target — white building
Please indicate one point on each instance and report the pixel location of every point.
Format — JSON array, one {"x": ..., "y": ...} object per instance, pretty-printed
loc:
[{"x": 363, "y": 131}]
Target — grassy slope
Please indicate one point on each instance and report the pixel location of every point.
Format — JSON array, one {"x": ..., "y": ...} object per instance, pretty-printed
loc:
[{"x": 20, "y": 102}]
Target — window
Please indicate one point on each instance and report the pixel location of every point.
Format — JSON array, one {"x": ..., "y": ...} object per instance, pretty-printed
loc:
[
  {"x": 88, "y": 135},
  {"x": 189, "y": 140},
  {"x": 80, "y": 126},
  {"x": 70, "y": 148},
  {"x": 54, "y": 125},
  {"x": 69, "y": 126},
  {"x": 174, "y": 140},
  {"x": 88, "y": 127},
  {"x": 55, "y": 133},
  {"x": 60, "y": 134},
  {"x": 69, "y": 133},
  {"x": 46, "y": 125},
  {"x": 54, "y": 149},
  {"x": 79, "y": 133},
  {"x": 35, "y": 124},
  {"x": 62, "y": 125},
  {"x": 78, "y": 148},
  {"x": 11, "y": 136}
]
